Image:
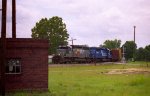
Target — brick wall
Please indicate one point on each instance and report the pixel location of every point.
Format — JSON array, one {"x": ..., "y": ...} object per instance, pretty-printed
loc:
[{"x": 34, "y": 64}]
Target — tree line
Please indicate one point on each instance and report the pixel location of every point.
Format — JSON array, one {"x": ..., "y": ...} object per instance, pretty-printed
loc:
[
  {"x": 130, "y": 49},
  {"x": 55, "y": 31},
  {"x": 143, "y": 54}
]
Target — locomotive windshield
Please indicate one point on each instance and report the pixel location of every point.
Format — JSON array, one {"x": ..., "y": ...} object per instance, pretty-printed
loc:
[{"x": 63, "y": 50}]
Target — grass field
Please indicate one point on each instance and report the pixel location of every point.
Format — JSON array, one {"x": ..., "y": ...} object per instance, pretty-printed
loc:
[{"x": 90, "y": 80}]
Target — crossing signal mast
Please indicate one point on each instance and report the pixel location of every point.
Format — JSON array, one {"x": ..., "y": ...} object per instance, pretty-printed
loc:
[{"x": 123, "y": 55}]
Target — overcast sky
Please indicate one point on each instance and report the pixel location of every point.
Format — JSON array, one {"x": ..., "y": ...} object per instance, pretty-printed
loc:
[{"x": 91, "y": 22}]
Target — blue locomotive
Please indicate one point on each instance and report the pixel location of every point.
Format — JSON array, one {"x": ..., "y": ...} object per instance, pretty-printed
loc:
[
  {"x": 100, "y": 54},
  {"x": 81, "y": 54}
]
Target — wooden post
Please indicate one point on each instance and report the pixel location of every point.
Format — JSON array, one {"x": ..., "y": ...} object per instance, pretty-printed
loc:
[
  {"x": 3, "y": 42},
  {"x": 13, "y": 18}
]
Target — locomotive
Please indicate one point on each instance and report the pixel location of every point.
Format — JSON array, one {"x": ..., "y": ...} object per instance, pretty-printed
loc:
[{"x": 81, "y": 54}]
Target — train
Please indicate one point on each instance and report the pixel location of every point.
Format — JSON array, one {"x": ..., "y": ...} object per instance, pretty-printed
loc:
[{"x": 84, "y": 54}]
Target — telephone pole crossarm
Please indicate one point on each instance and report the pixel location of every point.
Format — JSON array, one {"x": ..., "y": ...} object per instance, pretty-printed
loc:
[{"x": 72, "y": 40}]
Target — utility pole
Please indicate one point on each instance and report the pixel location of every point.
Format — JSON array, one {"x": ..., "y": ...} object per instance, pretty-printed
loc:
[
  {"x": 72, "y": 40},
  {"x": 134, "y": 43},
  {"x": 13, "y": 18},
  {"x": 134, "y": 33},
  {"x": 3, "y": 42},
  {"x": 72, "y": 46}
]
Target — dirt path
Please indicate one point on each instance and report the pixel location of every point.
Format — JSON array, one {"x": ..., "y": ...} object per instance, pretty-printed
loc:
[{"x": 128, "y": 71}]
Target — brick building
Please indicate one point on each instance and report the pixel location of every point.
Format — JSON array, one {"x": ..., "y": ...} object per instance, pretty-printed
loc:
[
  {"x": 26, "y": 64},
  {"x": 23, "y": 62}
]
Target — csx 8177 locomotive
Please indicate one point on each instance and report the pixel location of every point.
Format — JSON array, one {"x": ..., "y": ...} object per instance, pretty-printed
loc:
[{"x": 81, "y": 54}]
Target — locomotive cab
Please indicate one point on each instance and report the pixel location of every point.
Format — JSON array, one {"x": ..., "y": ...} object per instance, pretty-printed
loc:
[{"x": 63, "y": 51}]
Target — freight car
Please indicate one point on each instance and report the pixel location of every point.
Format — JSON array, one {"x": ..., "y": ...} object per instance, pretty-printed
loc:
[
  {"x": 116, "y": 54},
  {"x": 81, "y": 54}
]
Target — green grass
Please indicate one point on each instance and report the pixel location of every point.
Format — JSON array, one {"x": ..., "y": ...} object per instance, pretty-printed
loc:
[
  {"x": 138, "y": 62},
  {"x": 25, "y": 93},
  {"x": 91, "y": 81}
]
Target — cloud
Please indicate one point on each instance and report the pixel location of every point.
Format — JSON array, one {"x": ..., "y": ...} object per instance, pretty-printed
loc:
[{"x": 89, "y": 21}]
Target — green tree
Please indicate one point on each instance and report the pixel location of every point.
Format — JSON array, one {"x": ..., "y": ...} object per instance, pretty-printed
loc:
[
  {"x": 147, "y": 53},
  {"x": 130, "y": 48},
  {"x": 140, "y": 54},
  {"x": 54, "y": 30},
  {"x": 111, "y": 44}
]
